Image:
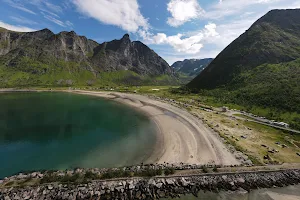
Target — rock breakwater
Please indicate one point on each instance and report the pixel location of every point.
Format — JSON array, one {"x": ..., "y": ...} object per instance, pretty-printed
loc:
[{"x": 156, "y": 187}]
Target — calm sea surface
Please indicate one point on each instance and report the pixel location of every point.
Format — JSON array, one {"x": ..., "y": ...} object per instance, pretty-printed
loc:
[{"x": 61, "y": 130}]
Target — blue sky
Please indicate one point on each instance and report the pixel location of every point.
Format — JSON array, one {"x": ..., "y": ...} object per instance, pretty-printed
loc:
[{"x": 175, "y": 29}]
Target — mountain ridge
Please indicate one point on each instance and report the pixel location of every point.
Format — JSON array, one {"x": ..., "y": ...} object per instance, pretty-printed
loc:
[
  {"x": 43, "y": 52},
  {"x": 266, "y": 41},
  {"x": 191, "y": 67},
  {"x": 260, "y": 70}
]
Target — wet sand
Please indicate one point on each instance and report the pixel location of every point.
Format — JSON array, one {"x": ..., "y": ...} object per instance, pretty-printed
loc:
[{"x": 181, "y": 138}]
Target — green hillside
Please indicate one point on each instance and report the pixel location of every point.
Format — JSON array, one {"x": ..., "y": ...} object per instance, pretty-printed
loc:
[
  {"x": 274, "y": 38},
  {"x": 260, "y": 70},
  {"x": 42, "y": 58},
  {"x": 32, "y": 73}
]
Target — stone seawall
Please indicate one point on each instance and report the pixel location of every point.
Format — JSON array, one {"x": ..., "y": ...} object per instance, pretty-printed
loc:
[{"x": 155, "y": 188}]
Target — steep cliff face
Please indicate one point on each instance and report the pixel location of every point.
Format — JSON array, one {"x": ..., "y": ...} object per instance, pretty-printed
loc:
[
  {"x": 68, "y": 46},
  {"x": 126, "y": 55},
  {"x": 43, "y": 46},
  {"x": 10, "y": 40},
  {"x": 46, "y": 47}
]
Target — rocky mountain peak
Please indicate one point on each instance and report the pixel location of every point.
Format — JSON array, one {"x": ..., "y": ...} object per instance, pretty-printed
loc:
[
  {"x": 126, "y": 37},
  {"x": 45, "y": 30},
  {"x": 125, "y": 40},
  {"x": 67, "y": 46}
]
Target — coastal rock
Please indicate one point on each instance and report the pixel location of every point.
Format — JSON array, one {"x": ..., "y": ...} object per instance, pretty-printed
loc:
[{"x": 153, "y": 188}]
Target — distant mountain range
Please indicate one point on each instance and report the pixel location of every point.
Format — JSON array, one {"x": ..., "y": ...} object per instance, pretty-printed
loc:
[
  {"x": 261, "y": 67},
  {"x": 45, "y": 58},
  {"x": 191, "y": 67}
]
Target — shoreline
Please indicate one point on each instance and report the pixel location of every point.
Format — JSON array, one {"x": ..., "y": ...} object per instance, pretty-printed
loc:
[
  {"x": 156, "y": 149},
  {"x": 180, "y": 138},
  {"x": 160, "y": 186}
]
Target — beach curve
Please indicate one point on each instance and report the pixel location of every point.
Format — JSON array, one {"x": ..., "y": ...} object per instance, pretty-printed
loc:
[{"x": 181, "y": 137}]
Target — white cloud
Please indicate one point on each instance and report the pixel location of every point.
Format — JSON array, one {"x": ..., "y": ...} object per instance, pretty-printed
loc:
[
  {"x": 232, "y": 28},
  {"x": 49, "y": 12},
  {"x": 22, "y": 20},
  {"x": 214, "y": 39},
  {"x": 124, "y": 13},
  {"x": 16, "y": 27},
  {"x": 181, "y": 43},
  {"x": 233, "y": 7},
  {"x": 172, "y": 58},
  {"x": 18, "y": 5},
  {"x": 286, "y": 5},
  {"x": 183, "y": 11},
  {"x": 68, "y": 23},
  {"x": 46, "y": 6},
  {"x": 53, "y": 7},
  {"x": 58, "y": 22},
  {"x": 54, "y": 20},
  {"x": 232, "y": 18}
]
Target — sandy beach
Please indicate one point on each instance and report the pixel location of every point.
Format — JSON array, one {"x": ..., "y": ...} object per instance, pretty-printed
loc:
[{"x": 180, "y": 137}]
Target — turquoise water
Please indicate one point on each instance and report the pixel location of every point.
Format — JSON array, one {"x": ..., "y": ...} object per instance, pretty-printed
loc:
[{"x": 61, "y": 130}]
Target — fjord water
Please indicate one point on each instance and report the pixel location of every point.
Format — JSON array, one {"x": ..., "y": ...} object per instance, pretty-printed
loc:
[{"x": 61, "y": 130}]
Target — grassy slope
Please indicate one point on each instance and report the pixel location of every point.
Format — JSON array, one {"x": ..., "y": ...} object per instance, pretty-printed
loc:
[
  {"x": 259, "y": 71},
  {"x": 28, "y": 72},
  {"x": 272, "y": 39},
  {"x": 270, "y": 90},
  {"x": 251, "y": 146},
  {"x": 219, "y": 98}
]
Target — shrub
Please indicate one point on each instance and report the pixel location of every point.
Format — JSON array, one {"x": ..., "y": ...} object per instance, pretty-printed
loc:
[
  {"x": 49, "y": 179},
  {"x": 169, "y": 171},
  {"x": 90, "y": 175},
  {"x": 204, "y": 169},
  {"x": 215, "y": 169},
  {"x": 70, "y": 178}
]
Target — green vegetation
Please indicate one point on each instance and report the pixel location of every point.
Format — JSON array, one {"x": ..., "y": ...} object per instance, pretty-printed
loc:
[
  {"x": 204, "y": 169},
  {"x": 219, "y": 98},
  {"x": 110, "y": 174},
  {"x": 215, "y": 169},
  {"x": 259, "y": 71},
  {"x": 270, "y": 90},
  {"x": 75, "y": 178},
  {"x": 169, "y": 171},
  {"x": 274, "y": 38},
  {"x": 238, "y": 147},
  {"x": 51, "y": 73},
  {"x": 275, "y": 134},
  {"x": 243, "y": 116}
]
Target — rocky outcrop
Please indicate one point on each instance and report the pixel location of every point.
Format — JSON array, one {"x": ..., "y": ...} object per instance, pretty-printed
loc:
[
  {"x": 45, "y": 47},
  {"x": 126, "y": 55},
  {"x": 155, "y": 188},
  {"x": 10, "y": 40}
]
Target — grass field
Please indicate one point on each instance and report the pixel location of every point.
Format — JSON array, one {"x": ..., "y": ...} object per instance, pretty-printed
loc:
[
  {"x": 293, "y": 118},
  {"x": 255, "y": 140},
  {"x": 233, "y": 129}
]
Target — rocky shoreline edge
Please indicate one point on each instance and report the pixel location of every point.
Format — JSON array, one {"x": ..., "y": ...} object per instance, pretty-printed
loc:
[{"x": 155, "y": 187}]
